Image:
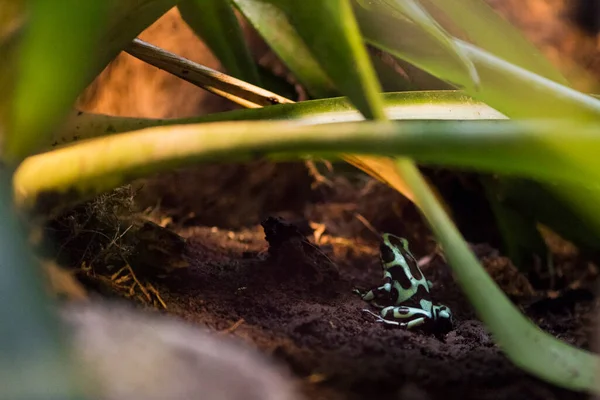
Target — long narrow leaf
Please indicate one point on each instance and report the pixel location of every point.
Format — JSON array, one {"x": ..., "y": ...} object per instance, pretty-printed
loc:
[
  {"x": 503, "y": 147},
  {"x": 512, "y": 90},
  {"x": 36, "y": 360},
  {"x": 530, "y": 348},
  {"x": 331, "y": 32},
  {"x": 446, "y": 105},
  {"x": 275, "y": 28},
  {"x": 483, "y": 25},
  {"x": 56, "y": 52},
  {"x": 429, "y": 26}
]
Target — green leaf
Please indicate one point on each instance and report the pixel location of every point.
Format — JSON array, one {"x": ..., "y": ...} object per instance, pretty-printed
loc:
[
  {"x": 216, "y": 24},
  {"x": 65, "y": 48},
  {"x": 331, "y": 32},
  {"x": 521, "y": 238},
  {"x": 500, "y": 147},
  {"x": 530, "y": 348},
  {"x": 442, "y": 104},
  {"x": 273, "y": 25},
  {"x": 512, "y": 90},
  {"x": 413, "y": 10},
  {"x": 57, "y": 52},
  {"x": 12, "y": 22},
  {"x": 36, "y": 360},
  {"x": 486, "y": 29}
]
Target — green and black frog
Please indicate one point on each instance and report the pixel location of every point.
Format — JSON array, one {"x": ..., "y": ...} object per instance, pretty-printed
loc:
[{"x": 404, "y": 298}]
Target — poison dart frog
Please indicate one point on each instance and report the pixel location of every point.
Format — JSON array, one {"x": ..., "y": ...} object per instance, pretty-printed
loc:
[{"x": 404, "y": 298}]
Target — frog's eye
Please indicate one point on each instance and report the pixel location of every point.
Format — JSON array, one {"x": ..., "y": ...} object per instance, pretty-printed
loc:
[
  {"x": 404, "y": 243},
  {"x": 395, "y": 241},
  {"x": 398, "y": 242}
]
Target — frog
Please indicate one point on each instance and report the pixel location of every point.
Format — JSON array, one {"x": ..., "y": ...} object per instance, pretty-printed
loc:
[{"x": 404, "y": 299}]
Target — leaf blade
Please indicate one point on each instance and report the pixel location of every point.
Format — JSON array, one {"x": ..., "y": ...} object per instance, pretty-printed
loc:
[
  {"x": 54, "y": 52},
  {"x": 274, "y": 26}
]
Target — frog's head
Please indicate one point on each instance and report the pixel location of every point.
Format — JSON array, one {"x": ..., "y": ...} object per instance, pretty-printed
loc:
[
  {"x": 443, "y": 317},
  {"x": 394, "y": 251}
]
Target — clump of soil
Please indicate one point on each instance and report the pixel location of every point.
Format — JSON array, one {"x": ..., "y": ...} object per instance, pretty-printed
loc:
[{"x": 286, "y": 287}]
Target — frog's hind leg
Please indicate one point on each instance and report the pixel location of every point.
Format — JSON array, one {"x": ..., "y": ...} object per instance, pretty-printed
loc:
[
  {"x": 412, "y": 316},
  {"x": 408, "y": 325}
]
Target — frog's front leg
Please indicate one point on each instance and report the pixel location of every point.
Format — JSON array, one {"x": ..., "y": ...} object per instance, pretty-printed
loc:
[
  {"x": 390, "y": 315},
  {"x": 381, "y": 292}
]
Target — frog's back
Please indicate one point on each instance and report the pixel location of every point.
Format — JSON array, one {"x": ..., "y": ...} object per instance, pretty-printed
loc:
[{"x": 402, "y": 268}]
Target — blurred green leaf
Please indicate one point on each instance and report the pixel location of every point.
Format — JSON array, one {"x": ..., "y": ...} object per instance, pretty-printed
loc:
[
  {"x": 56, "y": 54},
  {"x": 294, "y": 33},
  {"x": 521, "y": 238},
  {"x": 61, "y": 52},
  {"x": 274, "y": 26},
  {"x": 36, "y": 361},
  {"x": 530, "y": 348},
  {"x": 486, "y": 29},
  {"x": 216, "y": 24},
  {"x": 12, "y": 21},
  {"x": 413, "y": 10},
  {"x": 330, "y": 31},
  {"x": 512, "y": 90},
  {"x": 530, "y": 149},
  {"x": 444, "y": 104}
]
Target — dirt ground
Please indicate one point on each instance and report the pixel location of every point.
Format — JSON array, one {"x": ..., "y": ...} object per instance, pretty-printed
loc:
[{"x": 293, "y": 300}]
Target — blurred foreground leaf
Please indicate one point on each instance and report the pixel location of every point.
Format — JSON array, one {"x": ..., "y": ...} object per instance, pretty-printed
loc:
[
  {"x": 56, "y": 54},
  {"x": 36, "y": 361}
]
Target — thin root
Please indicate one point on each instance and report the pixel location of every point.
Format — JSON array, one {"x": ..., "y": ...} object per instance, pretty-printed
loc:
[
  {"x": 157, "y": 295},
  {"x": 233, "y": 327},
  {"x": 317, "y": 176}
]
